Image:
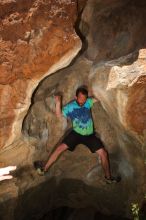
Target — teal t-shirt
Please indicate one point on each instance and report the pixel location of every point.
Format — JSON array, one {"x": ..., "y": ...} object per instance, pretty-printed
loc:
[{"x": 80, "y": 116}]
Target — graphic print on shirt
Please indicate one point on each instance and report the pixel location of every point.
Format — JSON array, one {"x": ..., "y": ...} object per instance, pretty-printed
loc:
[{"x": 80, "y": 116}]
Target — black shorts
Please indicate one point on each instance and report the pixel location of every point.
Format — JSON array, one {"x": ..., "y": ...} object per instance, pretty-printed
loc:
[{"x": 91, "y": 141}]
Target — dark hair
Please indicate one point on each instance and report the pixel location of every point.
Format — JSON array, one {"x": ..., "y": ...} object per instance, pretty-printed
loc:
[{"x": 82, "y": 90}]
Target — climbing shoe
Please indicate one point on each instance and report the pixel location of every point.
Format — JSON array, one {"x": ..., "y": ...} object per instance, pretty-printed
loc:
[
  {"x": 38, "y": 165},
  {"x": 40, "y": 171},
  {"x": 112, "y": 179}
]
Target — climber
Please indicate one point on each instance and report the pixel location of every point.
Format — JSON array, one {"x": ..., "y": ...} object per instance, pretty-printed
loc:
[{"x": 78, "y": 111}]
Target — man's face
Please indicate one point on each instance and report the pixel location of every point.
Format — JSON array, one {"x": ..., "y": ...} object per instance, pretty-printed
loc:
[{"x": 81, "y": 99}]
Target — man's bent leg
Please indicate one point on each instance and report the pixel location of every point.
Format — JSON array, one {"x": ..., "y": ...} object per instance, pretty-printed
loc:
[
  {"x": 104, "y": 161},
  {"x": 60, "y": 149}
]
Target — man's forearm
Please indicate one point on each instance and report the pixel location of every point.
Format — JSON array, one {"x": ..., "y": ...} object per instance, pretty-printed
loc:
[
  {"x": 58, "y": 106},
  {"x": 91, "y": 95},
  {"x": 58, "y": 109}
]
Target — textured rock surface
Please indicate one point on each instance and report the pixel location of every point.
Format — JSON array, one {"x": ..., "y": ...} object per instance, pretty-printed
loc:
[
  {"x": 37, "y": 38},
  {"x": 121, "y": 89},
  {"x": 76, "y": 179},
  {"x": 125, "y": 149},
  {"x": 113, "y": 28}
]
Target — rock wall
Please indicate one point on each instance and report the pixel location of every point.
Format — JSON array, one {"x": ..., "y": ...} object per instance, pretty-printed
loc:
[
  {"x": 37, "y": 39},
  {"x": 113, "y": 67},
  {"x": 113, "y": 28}
]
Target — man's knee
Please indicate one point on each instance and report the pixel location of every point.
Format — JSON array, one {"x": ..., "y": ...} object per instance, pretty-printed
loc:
[
  {"x": 102, "y": 152},
  {"x": 61, "y": 148}
]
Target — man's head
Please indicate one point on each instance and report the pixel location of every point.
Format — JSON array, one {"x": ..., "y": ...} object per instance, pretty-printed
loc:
[{"x": 81, "y": 95}]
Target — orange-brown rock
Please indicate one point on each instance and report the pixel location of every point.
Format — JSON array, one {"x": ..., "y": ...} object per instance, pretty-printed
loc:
[
  {"x": 136, "y": 107},
  {"x": 121, "y": 88},
  {"x": 37, "y": 38}
]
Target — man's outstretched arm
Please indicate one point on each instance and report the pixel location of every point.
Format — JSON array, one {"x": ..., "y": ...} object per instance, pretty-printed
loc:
[
  {"x": 58, "y": 106},
  {"x": 91, "y": 95}
]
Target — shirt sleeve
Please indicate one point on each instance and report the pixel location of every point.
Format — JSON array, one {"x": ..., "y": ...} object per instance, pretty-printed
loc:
[
  {"x": 65, "y": 111},
  {"x": 90, "y": 102}
]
